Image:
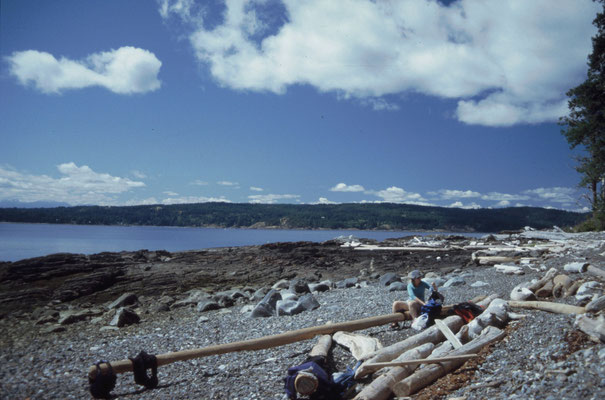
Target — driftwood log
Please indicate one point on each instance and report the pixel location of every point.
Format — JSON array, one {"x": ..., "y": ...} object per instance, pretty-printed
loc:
[
  {"x": 547, "y": 306},
  {"x": 448, "y": 334},
  {"x": 429, "y": 335},
  {"x": 561, "y": 283},
  {"x": 595, "y": 271},
  {"x": 389, "y": 353},
  {"x": 359, "y": 345},
  {"x": 596, "y": 305},
  {"x": 381, "y": 387},
  {"x": 546, "y": 290},
  {"x": 306, "y": 383},
  {"x": 574, "y": 288},
  {"x": 430, "y": 360},
  {"x": 594, "y": 327},
  {"x": 491, "y": 260},
  {"x": 431, "y": 373},
  {"x": 265, "y": 342},
  {"x": 547, "y": 277}
]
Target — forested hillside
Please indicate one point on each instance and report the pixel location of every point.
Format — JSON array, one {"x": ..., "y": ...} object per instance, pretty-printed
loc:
[{"x": 338, "y": 216}]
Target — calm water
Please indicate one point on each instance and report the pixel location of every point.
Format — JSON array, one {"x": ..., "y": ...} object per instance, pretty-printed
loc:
[{"x": 19, "y": 241}]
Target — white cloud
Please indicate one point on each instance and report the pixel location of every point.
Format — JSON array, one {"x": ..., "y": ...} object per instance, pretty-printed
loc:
[
  {"x": 227, "y": 183},
  {"x": 256, "y": 189},
  {"x": 170, "y": 193},
  {"x": 496, "y": 196},
  {"x": 271, "y": 198},
  {"x": 459, "y": 204},
  {"x": 554, "y": 194},
  {"x": 126, "y": 70},
  {"x": 398, "y": 195},
  {"x": 447, "y": 194},
  {"x": 138, "y": 174},
  {"x": 77, "y": 185},
  {"x": 342, "y": 187},
  {"x": 323, "y": 200},
  {"x": 176, "y": 200},
  {"x": 507, "y": 62},
  {"x": 199, "y": 182},
  {"x": 503, "y": 203}
]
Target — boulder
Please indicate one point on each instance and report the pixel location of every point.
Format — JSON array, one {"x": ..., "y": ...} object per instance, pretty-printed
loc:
[
  {"x": 124, "y": 316},
  {"x": 258, "y": 295},
  {"x": 207, "y": 305},
  {"x": 281, "y": 284},
  {"x": 479, "y": 284},
  {"x": 457, "y": 281},
  {"x": 397, "y": 286},
  {"x": 388, "y": 278},
  {"x": 292, "y": 307},
  {"x": 288, "y": 295},
  {"x": 195, "y": 296},
  {"x": 347, "y": 283},
  {"x": 318, "y": 287},
  {"x": 126, "y": 299},
  {"x": 73, "y": 316},
  {"x": 266, "y": 307},
  {"x": 298, "y": 286}
]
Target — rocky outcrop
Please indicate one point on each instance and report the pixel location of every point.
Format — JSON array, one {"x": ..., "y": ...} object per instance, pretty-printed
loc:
[{"x": 102, "y": 278}]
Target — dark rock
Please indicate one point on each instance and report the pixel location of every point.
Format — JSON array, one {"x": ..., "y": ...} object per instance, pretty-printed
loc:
[
  {"x": 388, "y": 278},
  {"x": 397, "y": 286},
  {"x": 318, "y": 287},
  {"x": 126, "y": 299},
  {"x": 125, "y": 316},
  {"x": 299, "y": 286},
  {"x": 347, "y": 283},
  {"x": 207, "y": 305},
  {"x": 73, "y": 316}
]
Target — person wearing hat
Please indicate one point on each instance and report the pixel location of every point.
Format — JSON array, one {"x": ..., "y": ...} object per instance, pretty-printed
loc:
[{"x": 416, "y": 291}]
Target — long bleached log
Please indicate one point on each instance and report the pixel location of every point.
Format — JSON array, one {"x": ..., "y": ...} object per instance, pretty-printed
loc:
[
  {"x": 265, "y": 342},
  {"x": 322, "y": 347},
  {"x": 547, "y": 277},
  {"x": 596, "y": 305},
  {"x": 429, "y": 335},
  {"x": 389, "y": 353},
  {"x": 381, "y": 387},
  {"x": 491, "y": 260},
  {"x": 595, "y": 271},
  {"x": 547, "y": 306},
  {"x": 431, "y": 373},
  {"x": 429, "y": 360},
  {"x": 358, "y": 345}
]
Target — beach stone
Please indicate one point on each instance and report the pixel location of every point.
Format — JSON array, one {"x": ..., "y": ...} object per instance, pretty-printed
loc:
[
  {"x": 281, "y": 284},
  {"x": 397, "y": 286},
  {"x": 388, "y": 278},
  {"x": 195, "y": 296},
  {"x": 124, "y": 316},
  {"x": 233, "y": 294},
  {"x": 266, "y": 307},
  {"x": 259, "y": 295},
  {"x": 158, "y": 307},
  {"x": 347, "y": 283},
  {"x": 288, "y": 307},
  {"x": 437, "y": 281},
  {"x": 457, "y": 281},
  {"x": 126, "y": 299},
  {"x": 288, "y": 295},
  {"x": 299, "y": 286},
  {"x": 309, "y": 302},
  {"x": 479, "y": 284},
  {"x": 48, "y": 316},
  {"x": 53, "y": 328},
  {"x": 73, "y": 316},
  {"x": 207, "y": 305},
  {"x": 318, "y": 287}
]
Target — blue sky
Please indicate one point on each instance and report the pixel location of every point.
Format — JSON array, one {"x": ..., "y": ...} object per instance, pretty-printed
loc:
[{"x": 266, "y": 101}]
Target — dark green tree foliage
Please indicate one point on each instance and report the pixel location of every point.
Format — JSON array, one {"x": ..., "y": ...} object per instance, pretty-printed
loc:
[
  {"x": 384, "y": 216},
  {"x": 585, "y": 125}
]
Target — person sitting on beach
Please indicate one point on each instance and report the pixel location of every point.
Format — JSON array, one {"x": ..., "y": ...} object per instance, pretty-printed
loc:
[{"x": 416, "y": 289}]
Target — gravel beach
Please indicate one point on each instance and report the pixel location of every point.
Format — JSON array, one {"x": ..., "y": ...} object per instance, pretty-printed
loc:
[{"x": 542, "y": 357}]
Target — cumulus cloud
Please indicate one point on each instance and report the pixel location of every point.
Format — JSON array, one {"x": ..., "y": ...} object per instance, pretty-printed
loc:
[
  {"x": 343, "y": 187},
  {"x": 271, "y": 198},
  {"x": 176, "y": 200},
  {"x": 496, "y": 196},
  {"x": 554, "y": 194},
  {"x": 395, "y": 194},
  {"x": 77, "y": 185},
  {"x": 127, "y": 70},
  {"x": 507, "y": 62},
  {"x": 256, "y": 189},
  {"x": 227, "y": 183},
  {"x": 199, "y": 182},
  {"x": 448, "y": 194},
  {"x": 459, "y": 204},
  {"x": 323, "y": 200}
]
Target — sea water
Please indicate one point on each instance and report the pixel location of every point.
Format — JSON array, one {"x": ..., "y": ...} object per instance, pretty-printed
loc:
[{"x": 19, "y": 241}]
